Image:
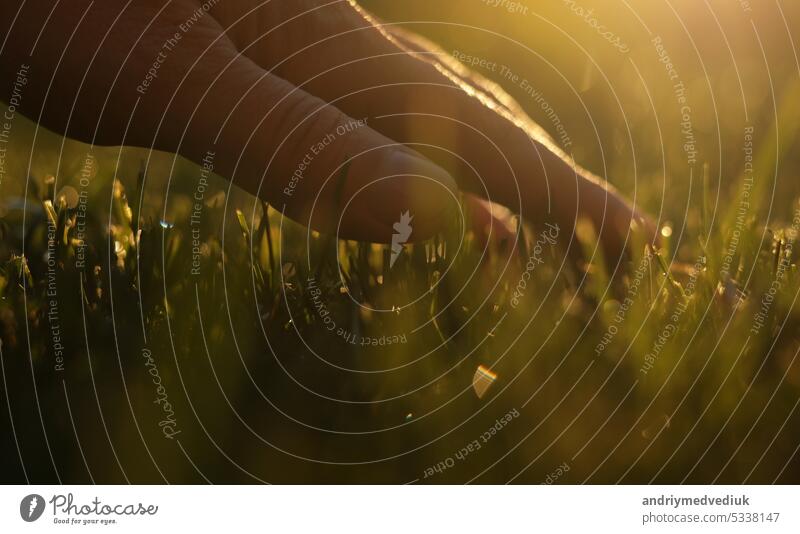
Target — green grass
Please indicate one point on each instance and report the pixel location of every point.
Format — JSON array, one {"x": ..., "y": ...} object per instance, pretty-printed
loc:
[{"x": 261, "y": 390}]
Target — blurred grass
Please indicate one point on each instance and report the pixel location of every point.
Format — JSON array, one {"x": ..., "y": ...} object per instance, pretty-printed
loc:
[{"x": 541, "y": 350}]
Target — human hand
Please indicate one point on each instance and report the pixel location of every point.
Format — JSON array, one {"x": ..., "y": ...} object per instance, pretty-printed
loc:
[{"x": 286, "y": 95}]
